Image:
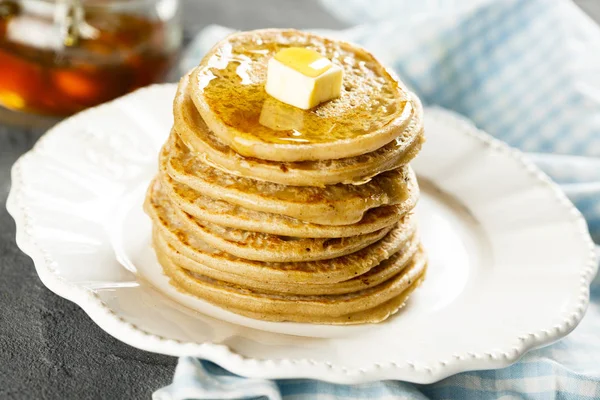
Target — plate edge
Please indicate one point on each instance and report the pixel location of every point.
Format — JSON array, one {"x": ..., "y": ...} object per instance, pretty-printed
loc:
[{"x": 288, "y": 368}]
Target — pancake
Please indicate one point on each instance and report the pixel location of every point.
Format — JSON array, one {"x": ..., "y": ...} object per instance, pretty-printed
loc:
[
  {"x": 339, "y": 269},
  {"x": 283, "y": 214},
  {"x": 369, "y": 305},
  {"x": 231, "y": 215},
  {"x": 261, "y": 246},
  {"x": 332, "y": 205},
  {"x": 192, "y": 130},
  {"x": 371, "y": 316},
  {"x": 382, "y": 272},
  {"x": 228, "y": 91}
]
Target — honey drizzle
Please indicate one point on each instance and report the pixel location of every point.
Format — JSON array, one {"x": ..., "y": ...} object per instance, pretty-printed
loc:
[{"x": 369, "y": 101}]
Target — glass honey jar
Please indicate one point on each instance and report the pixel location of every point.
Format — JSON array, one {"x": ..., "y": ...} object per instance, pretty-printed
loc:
[{"x": 59, "y": 57}]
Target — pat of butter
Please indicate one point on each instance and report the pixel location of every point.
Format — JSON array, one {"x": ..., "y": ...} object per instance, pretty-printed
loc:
[{"x": 303, "y": 78}]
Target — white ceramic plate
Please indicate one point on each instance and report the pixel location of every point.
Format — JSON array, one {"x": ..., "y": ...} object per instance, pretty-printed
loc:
[{"x": 510, "y": 257}]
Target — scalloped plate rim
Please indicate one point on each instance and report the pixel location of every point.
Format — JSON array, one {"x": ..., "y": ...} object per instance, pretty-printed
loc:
[{"x": 298, "y": 368}]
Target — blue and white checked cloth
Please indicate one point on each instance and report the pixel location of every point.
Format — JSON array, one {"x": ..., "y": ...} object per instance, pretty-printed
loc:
[{"x": 525, "y": 71}]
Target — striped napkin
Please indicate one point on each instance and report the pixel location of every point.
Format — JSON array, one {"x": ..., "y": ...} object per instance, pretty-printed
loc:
[{"x": 525, "y": 71}]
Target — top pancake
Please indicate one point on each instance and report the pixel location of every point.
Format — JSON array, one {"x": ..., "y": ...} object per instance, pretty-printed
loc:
[
  {"x": 228, "y": 91},
  {"x": 192, "y": 130}
]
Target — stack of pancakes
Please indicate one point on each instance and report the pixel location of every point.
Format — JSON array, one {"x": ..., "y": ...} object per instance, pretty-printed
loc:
[{"x": 283, "y": 214}]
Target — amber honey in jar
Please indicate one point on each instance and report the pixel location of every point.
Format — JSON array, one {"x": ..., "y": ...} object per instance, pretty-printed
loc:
[{"x": 59, "y": 57}]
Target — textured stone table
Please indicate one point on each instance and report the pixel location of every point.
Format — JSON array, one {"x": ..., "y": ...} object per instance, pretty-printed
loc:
[{"x": 49, "y": 348}]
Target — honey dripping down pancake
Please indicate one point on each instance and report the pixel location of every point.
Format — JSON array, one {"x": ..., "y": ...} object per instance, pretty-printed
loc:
[{"x": 290, "y": 214}]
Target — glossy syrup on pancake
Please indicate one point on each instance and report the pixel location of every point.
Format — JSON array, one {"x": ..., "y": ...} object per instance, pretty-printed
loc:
[
  {"x": 194, "y": 132},
  {"x": 228, "y": 89}
]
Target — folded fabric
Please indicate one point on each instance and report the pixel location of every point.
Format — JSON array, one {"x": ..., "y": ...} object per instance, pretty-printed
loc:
[{"x": 525, "y": 71}]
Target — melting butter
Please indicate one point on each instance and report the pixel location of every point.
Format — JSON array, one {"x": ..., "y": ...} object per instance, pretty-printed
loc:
[{"x": 306, "y": 61}]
